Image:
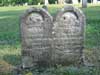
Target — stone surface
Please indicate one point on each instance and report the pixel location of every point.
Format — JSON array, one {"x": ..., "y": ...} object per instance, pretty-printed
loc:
[
  {"x": 36, "y": 30},
  {"x": 68, "y": 36},
  {"x": 46, "y": 42}
]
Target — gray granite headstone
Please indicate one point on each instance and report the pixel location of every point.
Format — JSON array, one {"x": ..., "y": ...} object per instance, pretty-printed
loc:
[
  {"x": 46, "y": 42},
  {"x": 68, "y": 36},
  {"x": 36, "y": 25}
]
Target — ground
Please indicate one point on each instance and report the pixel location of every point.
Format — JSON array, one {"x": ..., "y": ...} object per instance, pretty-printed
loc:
[{"x": 10, "y": 45}]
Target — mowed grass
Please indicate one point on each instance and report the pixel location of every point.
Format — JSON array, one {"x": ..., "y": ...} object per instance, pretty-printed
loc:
[{"x": 10, "y": 45}]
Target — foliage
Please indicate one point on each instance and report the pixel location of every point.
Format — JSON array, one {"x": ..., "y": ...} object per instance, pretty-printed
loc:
[
  {"x": 19, "y": 2},
  {"x": 60, "y": 70},
  {"x": 52, "y": 1}
]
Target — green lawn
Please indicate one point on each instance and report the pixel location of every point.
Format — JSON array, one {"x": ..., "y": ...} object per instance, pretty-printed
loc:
[{"x": 10, "y": 45}]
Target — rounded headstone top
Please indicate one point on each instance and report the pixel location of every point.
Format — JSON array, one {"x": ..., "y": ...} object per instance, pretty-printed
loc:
[
  {"x": 40, "y": 11},
  {"x": 72, "y": 10}
]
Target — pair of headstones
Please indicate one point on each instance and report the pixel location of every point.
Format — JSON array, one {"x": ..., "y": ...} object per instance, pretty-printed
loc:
[{"x": 48, "y": 42}]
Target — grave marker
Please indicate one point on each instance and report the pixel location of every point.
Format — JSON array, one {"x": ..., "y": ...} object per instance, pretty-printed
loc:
[{"x": 46, "y": 42}]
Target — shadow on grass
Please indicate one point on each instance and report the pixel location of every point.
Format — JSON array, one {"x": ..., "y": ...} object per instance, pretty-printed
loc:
[{"x": 12, "y": 59}]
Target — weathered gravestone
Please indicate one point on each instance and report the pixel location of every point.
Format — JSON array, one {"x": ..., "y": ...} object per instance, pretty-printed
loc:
[
  {"x": 47, "y": 42},
  {"x": 36, "y": 25},
  {"x": 68, "y": 36}
]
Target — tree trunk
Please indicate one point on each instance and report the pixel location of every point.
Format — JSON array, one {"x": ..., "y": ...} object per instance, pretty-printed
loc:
[
  {"x": 94, "y": 1},
  {"x": 84, "y": 3},
  {"x": 46, "y": 2},
  {"x": 75, "y": 1}
]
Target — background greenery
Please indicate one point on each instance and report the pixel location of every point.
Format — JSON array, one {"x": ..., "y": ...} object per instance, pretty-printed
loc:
[
  {"x": 21, "y": 2},
  {"x": 30, "y": 2},
  {"x": 10, "y": 45}
]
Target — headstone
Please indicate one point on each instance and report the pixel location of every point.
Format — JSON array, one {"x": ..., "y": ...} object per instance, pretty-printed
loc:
[
  {"x": 47, "y": 42},
  {"x": 68, "y": 36},
  {"x": 36, "y": 27}
]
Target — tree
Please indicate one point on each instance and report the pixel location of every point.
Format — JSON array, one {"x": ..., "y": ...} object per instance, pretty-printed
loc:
[
  {"x": 52, "y": 1},
  {"x": 75, "y": 1},
  {"x": 68, "y": 1},
  {"x": 30, "y": 2},
  {"x": 46, "y": 2},
  {"x": 19, "y": 2},
  {"x": 94, "y": 1},
  {"x": 84, "y": 3}
]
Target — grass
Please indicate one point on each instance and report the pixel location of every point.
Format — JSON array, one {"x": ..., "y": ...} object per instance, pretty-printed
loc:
[{"x": 10, "y": 45}]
